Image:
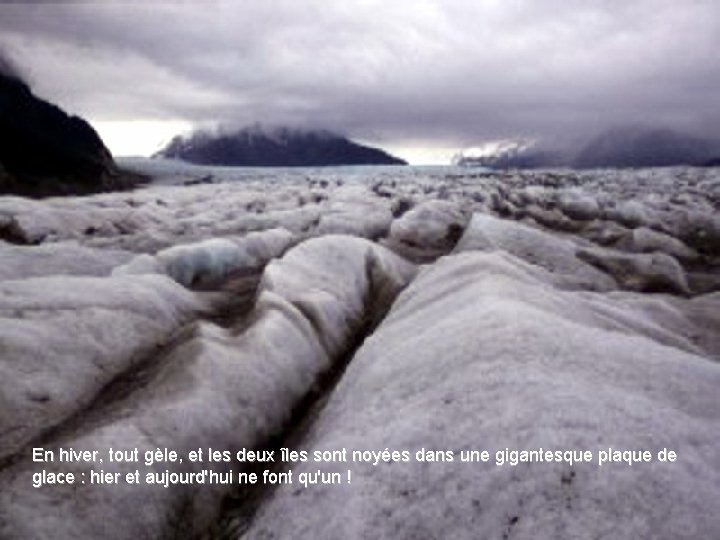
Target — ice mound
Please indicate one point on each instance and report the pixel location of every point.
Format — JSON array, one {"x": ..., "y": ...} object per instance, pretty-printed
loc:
[
  {"x": 432, "y": 227},
  {"x": 644, "y": 240},
  {"x": 633, "y": 213},
  {"x": 62, "y": 258},
  {"x": 605, "y": 233},
  {"x": 552, "y": 219},
  {"x": 646, "y": 272},
  {"x": 556, "y": 254},
  {"x": 157, "y": 217},
  {"x": 701, "y": 230},
  {"x": 314, "y": 274},
  {"x": 579, "y": 206},
  {"x": 297, "y": 220},
  {"x": 353, "y": 210},
  {"x": 211, "y": 261},
  {"x": 213, "y": 387},
  {"x": 25, "y": 221},
  {"x": 64, "y": 338},
  {"x": 696, "y": 319},
  {"x": 463, "y": 362}
]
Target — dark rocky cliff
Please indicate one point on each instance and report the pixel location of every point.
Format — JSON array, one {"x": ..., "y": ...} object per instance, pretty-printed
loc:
[{"x": 44, "y": 151}]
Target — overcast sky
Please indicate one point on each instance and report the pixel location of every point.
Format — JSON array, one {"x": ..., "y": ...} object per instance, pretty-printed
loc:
[{"x": 435, "y": 75}]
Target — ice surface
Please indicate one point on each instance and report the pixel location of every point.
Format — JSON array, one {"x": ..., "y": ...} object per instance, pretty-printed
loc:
[
  {"x": 478, "y": 354},
  {"x": 577, "y": 205},
  {"x": 61, "y": 258},
  {"x": 202, "y": 315},
  {"x": 211, "y": 261},
  {"x": 354, "y": 211},
  {"x": 557, "y": 255},
  {"x": 650, "y": 272},
  {"x": 432, "y": 226},
  {"x": 211, "y": 388},
  {"x": 644, "y": 240},
  {"x": 64, "y": 338}
]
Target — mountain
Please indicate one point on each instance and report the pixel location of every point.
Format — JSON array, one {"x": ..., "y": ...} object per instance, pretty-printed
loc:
[
  {"x": 624, "y": 147},
  {"x": 44, "y": 151},
  {"x": 644, "y": 147},
  {"x": 283, "y": 147}
]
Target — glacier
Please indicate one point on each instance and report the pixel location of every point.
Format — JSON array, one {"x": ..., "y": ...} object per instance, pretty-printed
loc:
[{"x": 440, "y": 309}]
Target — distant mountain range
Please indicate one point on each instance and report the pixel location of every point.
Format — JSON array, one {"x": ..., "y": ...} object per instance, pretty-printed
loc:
[
  {"x": 44, "y": 151},
  {"x": 638, "y": 147},
  {"x": 628, "y": 147},
  {"x": 257, "y": 146}
]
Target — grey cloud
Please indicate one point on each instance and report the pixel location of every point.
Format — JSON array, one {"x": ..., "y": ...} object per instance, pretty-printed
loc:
[{"x": 446, "y": 71}]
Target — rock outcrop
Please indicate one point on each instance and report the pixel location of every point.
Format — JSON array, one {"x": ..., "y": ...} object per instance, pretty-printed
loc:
[{"x": 44, "y": 151}]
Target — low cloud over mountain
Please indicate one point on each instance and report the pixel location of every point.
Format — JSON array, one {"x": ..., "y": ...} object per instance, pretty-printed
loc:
[
  {"x": 283, "y": 147},
  {"x": 623, "y": 147}
]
